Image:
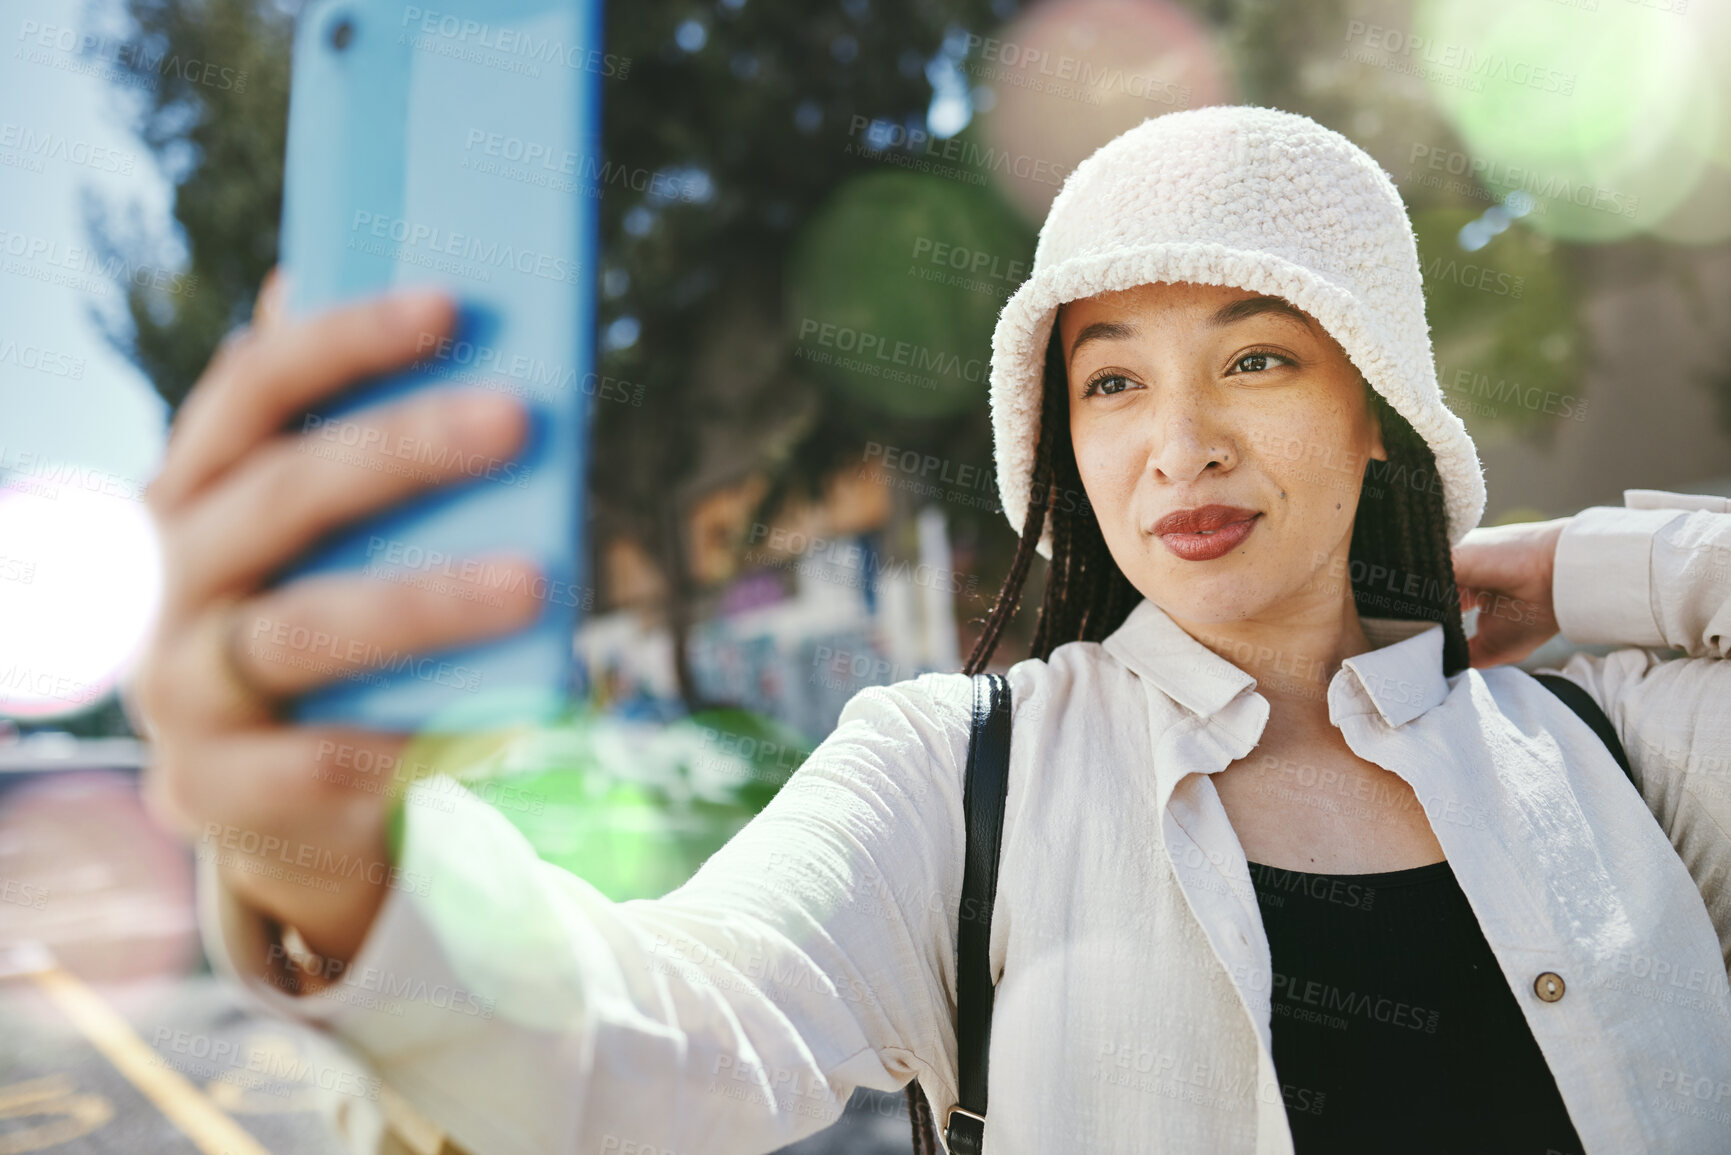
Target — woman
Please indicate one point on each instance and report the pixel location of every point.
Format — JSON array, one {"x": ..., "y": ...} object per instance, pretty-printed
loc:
[{"x": 1247, "y": 737}]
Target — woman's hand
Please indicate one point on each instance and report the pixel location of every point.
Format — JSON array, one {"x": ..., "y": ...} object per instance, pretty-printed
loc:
[
  {"x": 295, "y": 816},
  {"x": 1505, "y": 573}
]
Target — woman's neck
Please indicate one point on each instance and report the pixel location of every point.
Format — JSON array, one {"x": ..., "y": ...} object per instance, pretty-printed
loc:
[{"x": 1294, "y": 656}]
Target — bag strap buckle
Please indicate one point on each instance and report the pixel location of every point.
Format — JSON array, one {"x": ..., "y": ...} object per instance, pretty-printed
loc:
[{"x": 964, "y": 1131}]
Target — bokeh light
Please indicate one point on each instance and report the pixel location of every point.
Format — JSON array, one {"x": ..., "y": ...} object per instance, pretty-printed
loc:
[
  {"x": 80, "y": 581},
  {"x": 894, "y": 286},
  {"x": 1069, "y": 75},
  {"x": 1607, "y": 117},
  {"x": 1704, "y": 216}
]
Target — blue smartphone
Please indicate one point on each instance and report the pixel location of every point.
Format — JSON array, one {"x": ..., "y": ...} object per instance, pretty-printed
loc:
[{"x": 456, "y": 146}]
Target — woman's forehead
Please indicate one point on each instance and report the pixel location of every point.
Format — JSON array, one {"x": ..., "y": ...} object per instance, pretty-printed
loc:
[
  {"x": 1176, "y": 300},
  {"x": 1158, "y": 295}
]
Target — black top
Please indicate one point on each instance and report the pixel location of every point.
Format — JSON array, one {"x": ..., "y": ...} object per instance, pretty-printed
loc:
[{"x": 1394, "y": 1028}]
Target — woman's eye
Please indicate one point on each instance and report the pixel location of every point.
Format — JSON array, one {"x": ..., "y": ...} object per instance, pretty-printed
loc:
[
  {"x": 1109, "y": 384},
  {"x": 1257, "y": 362}
]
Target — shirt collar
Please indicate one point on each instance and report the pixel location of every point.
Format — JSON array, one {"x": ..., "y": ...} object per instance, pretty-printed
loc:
[
  {"x": 1185, "y": 670},
  {"x": 1400, "y": 678}
]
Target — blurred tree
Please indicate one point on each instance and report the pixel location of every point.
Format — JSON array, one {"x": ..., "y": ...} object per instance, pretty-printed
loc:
[
  {"x": 757, "y": 99},
  {"x": 222, "y": 148}
]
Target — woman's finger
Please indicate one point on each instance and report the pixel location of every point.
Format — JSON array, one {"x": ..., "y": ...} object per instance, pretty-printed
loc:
[
  {"x": 1485, "y": 565},
  {"x": 267, "y": 375},
  {"x": 328, "y": 628},
  {"x": 292, "y": 777},
  {"x": 293, "y": 490}
]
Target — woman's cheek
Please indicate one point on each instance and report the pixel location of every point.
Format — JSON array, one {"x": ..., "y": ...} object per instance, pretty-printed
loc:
[{"x": 1108, "y": 475}]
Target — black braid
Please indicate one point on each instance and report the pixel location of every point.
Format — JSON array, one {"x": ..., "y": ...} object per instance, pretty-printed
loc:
[
  {"x": 1011, "y": 592},
  {"x": 1401, "y": 531},
  {"x": 920, "y": 1117},
  {"x": 1039, "y": 501}
]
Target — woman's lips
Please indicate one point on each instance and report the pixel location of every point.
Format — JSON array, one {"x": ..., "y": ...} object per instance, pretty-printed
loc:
[{"x": 1207, "y": 532}]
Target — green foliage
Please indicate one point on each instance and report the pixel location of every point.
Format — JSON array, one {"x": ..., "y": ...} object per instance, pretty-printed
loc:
[
  {"x": 1502, "y": 318},
  {"x": 765, "y": 108}
]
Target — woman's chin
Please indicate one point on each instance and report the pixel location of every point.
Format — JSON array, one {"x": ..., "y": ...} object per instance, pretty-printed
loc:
[
  {"x": 1227, "y": 602},
  {"x": 1212, "y": 598},
  {"x": 1236, "y": 587}
]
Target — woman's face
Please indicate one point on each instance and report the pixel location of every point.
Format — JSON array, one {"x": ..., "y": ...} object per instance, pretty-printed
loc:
[{"x": 1221, "y": 437}]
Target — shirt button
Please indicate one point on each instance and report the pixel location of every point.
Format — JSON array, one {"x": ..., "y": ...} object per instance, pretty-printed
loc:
[{"x": 1549, "y": 986}]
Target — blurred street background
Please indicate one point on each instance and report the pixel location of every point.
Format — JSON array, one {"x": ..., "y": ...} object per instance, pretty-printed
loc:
[{"x": 776, "y": 522}]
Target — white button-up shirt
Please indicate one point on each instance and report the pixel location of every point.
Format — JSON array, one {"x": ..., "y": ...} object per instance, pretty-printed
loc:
[{"x": 521, "y": 1010}]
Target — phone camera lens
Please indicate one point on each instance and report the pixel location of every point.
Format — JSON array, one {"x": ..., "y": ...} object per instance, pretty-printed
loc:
[{"x": 342, "y": 32}]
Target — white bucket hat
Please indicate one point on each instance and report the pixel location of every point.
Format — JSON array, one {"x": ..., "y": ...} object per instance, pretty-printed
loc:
[{"x": 1257, "y": 199}]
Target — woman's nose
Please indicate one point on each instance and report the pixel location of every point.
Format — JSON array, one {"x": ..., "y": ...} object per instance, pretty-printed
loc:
[{"x": 1186, "y": 442}]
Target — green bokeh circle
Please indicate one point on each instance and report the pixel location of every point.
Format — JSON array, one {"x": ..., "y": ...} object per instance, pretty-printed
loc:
[
  {"x": 894, "y": 286},
  {"x": 1606, "y": 116}
]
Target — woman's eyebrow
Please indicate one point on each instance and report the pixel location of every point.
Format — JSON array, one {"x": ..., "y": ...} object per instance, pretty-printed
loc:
[
  {"x": 1248, "y": 307},
  {"x": 1102, "y": 331}
]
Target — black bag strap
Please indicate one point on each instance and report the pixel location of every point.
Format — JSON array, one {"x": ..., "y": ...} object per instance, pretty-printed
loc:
[
  {"x": 1577, "y": 699},
  {"x": 983, "y": 799}
]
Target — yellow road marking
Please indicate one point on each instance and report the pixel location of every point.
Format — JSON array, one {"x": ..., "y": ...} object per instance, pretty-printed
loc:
[
  {"x": 66, "y": 1114},
  {"x": 210, "y": 1130}
]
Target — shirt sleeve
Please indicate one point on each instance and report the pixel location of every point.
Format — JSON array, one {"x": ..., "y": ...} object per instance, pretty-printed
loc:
[
  {"x": 521, "y": 1010},
  {"x": 1657, "y": 574}
]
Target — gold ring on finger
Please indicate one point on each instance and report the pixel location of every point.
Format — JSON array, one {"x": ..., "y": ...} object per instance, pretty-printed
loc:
[{"x": 234, "y": 668}]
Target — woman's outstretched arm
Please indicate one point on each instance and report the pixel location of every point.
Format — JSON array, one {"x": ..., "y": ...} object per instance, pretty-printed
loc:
[
  {"x": 507, "y": 999},
  {"x": 523, "y": 1011}
]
